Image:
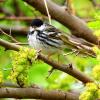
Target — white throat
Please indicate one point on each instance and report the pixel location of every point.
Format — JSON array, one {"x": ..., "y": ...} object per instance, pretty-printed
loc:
[{"x": 41, "y": 28}]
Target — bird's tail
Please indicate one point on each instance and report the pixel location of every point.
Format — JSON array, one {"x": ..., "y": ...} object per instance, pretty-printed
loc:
[{"x": 82, "y": 46}]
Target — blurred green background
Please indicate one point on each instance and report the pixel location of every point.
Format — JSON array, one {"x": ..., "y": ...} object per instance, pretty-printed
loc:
[{"x": 39, "y": 71}]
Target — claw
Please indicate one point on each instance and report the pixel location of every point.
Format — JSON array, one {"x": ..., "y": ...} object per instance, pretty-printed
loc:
[{"x": 38, "y": 52}]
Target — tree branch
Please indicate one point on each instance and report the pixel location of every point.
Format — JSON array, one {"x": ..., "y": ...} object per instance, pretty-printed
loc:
[
  {"x": 68, "y": 95},
  {"x": 69, "y": 69},
  {"x": 12, "y": 38},
  {"x": 36, "y": 93},
  {"x": 22, "y": 18},
  {"x": 65, "y": 68},
  {"x": 58, "y": 13},
  {"x": 9, "y": 45},
  {"x": 15, "y": 30}
]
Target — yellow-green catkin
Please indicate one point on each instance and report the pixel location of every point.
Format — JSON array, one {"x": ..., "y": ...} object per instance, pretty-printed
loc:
[
  {"x": 91, "y": 92},
  {"x": 21, "y": 61},
  {"x": 1, "y": 77},
  {"x": 97, "y": 33},
  {"x": 96, "y": 72},
  {"x": 96, "y": 68}
]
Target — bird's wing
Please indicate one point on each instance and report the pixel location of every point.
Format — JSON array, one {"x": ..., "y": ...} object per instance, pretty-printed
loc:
[
  {"x": 52, "y": 32},
  {"x": 69, "y": 41},
  {"x": 78, "y": 45}
]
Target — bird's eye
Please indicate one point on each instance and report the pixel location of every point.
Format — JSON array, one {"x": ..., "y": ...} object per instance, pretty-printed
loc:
[{"x": 31, "y": 32}]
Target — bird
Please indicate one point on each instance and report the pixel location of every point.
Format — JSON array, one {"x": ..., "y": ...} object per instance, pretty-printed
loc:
[
  {"x": 50, "y": 40},
  {"x": 45, "y": 37}
]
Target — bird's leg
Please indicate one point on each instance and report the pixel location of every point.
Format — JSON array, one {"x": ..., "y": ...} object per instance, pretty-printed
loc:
[
  {"x": 49, "y": 55},
  {"x": 58, "y": 59},
  {"x": 52, "y": 69}
]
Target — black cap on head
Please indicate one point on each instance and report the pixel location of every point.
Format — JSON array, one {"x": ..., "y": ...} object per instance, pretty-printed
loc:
[{"x": 37, "y": 22}]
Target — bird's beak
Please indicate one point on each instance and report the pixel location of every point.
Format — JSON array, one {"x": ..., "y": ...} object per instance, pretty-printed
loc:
[
  {"x": 31, "y": 30},
  {"x": 29, "y": 33}
]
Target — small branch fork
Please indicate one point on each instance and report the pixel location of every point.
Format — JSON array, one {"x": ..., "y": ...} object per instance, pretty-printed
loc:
[
  {"x": 15, "y": 30},
  {"x": 12, "y": 38}
]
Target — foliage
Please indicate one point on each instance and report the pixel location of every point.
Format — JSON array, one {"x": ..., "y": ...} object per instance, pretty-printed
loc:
[
  {"x": 21, "y": 68},
  {"x": 21, "y": 62},
  {"x": 96, "y": 69},
  {"x": 92, "y": 92}
]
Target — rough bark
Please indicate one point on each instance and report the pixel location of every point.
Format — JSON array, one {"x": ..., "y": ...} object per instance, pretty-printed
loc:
[
  {"x": 36, "y": 93},
  {"x": 75, "y": 24}
]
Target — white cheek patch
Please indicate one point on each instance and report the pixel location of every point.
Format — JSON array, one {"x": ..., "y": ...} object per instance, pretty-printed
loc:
[
  {"x": 41, "y": 28},
  {"x": 31, "y": 29}
]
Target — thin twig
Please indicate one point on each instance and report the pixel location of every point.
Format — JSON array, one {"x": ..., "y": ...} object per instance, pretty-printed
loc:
[
  {"x": 21, "y": 43},
  {"x": 49, "y": 16},
  {"x": 12, "y": 38},
  {"x": 16, "y": 30},
  {"x": 17, "y": 18}
]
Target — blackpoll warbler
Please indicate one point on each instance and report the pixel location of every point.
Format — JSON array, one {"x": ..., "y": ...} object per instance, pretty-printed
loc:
[{"x": 44, "y": 37}]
